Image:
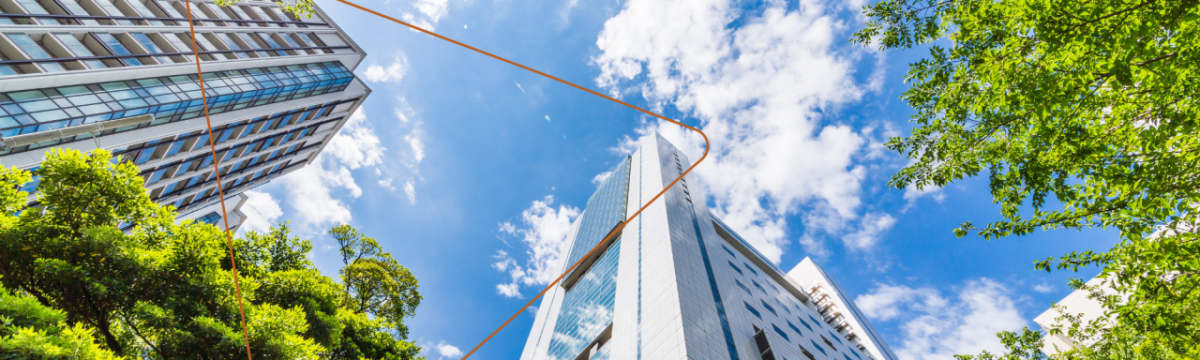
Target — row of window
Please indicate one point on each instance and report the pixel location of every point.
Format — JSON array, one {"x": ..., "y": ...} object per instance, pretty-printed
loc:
[
  {"x": 169, "y": 99},
  {"x": 163, "y": 148},
  {"x": 205, "y": 197},
  {"x": 146, "y": 12},
  {"x": 100, "y": 50},
  {"x": 587, "y": 308},
  {"x": 250, "y": 153},
  {"x": 754, "y": 311}
]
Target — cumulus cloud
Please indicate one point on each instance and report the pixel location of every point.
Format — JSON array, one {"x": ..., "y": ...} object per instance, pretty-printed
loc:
[
  {"x": 410, "y": 191},
  {"x": 870, "y": 228},
  {"x": 261, "y": 211},
  {"x": 599, "y": 179},
  {"x": 1043, "y": 288},
  {"x": 937, "y": 327},
  {"x": 543, "y": 231},
  {"x": 912, "y": 193},
  {"x": 761, "y": 92},
  {"x": 310, "y": 189},
  {"x": 417, "y": 147},
  {"x": 447, "y": 350},
  {"x": 356, "y": 145},
  {"x": 387, "y": 184},
  {"x": 392, "y": 73},
  {"x": 425, "y": 13}
]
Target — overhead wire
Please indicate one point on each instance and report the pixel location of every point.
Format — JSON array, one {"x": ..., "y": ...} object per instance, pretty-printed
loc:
[
  {"x": 212, "y": 144},
  {"x": 620, "y": 226}
]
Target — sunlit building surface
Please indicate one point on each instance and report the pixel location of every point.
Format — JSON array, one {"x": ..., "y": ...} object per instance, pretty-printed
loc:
[
  {"x": 278, "y": 89},
  {"x": 677, "y": 283}
]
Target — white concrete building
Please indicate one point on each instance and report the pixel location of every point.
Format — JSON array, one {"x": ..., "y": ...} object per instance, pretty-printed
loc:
[
  {"x": 1078, "y": 303},
  {"x": 676, "y": 283},
  {"x": 278, "y": 89}
]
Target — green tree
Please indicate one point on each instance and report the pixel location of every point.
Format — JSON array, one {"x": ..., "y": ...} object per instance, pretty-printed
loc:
[
  {"x": 298, "y": 8},
  {"x": 30, "y": 330},
  {"x": 375, "y": 283},
  {"x": 162, "y": 289},
  {"x": 1083, "y": 114}
]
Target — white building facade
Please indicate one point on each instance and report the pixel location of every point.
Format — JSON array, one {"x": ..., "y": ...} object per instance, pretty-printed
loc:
[
  {"x": 278, "y": 89},
  {"x": 676, "y": 283}
]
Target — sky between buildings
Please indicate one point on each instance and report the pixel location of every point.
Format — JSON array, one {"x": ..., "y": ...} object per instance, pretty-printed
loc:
[{"x": 469, "y": 171}]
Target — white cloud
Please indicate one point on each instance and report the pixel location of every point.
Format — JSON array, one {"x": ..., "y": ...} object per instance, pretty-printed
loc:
[
  {"x": 813, "y": 247},
  {"x": 911, "y": 193},
  {"x": 564, "y": 13},
  {"x": 544, "y": 231},
  {"x": 410, "y": 191},
  {"x": 387, "y": 184},
  {"x": 509, "y": 290},
  {"x": 310, "y": 189},
  {"x": 309, "y": 193},
  {"x": 425, "y": 13},
  {"x": 935, "y": 327},
  {"x": 447, "y": 350},
  {"x": 1043, "y": 288},
  {"x": 261, "y": 211},
  {"x": 402, "y": 110},
  {"x": 418, "y": 147},
  {"x": 356, "y": 145},
  {"x": 761, "y": 92},
  {"x": 392, "y": 73},
  {"x": 599, "y": 179},
  {"x": 871, "y": 226}
]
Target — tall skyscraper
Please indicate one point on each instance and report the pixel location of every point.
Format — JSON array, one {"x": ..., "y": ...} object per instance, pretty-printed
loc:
[
  {"x": 85, "y": 74},
  {"x": 677, "y": 283}
]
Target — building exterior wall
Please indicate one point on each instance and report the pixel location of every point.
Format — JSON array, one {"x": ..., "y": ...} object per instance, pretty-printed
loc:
[
  {"x": 687, "y": 287},
  {"x": 278, "y": 89},
  {"x": 1079, "y": 303},
  {"x": 828, "y": 296}
]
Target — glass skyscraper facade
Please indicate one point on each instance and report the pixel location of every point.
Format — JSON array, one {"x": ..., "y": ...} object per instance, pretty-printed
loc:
[
  {"x": 677, "y": 283},
  {"x": 278, "y": 89}
]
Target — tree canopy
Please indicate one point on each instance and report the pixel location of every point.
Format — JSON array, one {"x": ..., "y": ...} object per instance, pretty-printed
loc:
[
  {"x": 75, "y": 286},
  {"x": 1082, "y": 114}
]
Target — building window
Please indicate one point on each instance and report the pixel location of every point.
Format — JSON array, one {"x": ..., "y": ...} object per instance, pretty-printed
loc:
[
  {"x": 735, "y": 268},
  {"x": 752, "y": 310},
  {"x": 170, "y": 99},
  {"x": 802, "y": 322},
  {"x": 211, "y": 219},
  {"x": 780, "y": 333},
  {"x": 794, "y": 328},
  {"x": 744, "y": 288},
  {"x": 728, "y": 251},
  {"x": 806, "y": 353},
  {"x": 827, "y": 342},
  {"x": 751, "y": 268},
  {"x": 819, "y": 348},
  {"x": 769, "y": 308},
  {"x": 764, "y": 346}
]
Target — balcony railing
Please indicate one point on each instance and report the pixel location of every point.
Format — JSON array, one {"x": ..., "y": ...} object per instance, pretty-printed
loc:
[
  {"x": 183, "y": 20},
  {"x": 206, "y": 52}
]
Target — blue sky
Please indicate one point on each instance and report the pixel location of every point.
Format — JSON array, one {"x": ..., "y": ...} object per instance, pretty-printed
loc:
[{"x": 469, "y": 170}]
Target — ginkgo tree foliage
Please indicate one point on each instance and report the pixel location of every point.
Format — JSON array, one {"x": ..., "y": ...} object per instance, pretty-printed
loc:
[
  {"x": 94, "y": 269},
  {"x": 1081, "y": 114}
]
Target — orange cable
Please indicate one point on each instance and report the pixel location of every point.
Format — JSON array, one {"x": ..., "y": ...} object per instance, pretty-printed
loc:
[
  {"x": 620, "y": 226},
  {"x": 212, "y": 144}
]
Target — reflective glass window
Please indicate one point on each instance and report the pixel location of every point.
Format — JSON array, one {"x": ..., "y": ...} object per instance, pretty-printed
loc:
[
  {"x": 34, "y": 51},
  {"x": 117, "y": 48},
  {"x": 112, "y": 10},
  {"x": 79, "y": 50}
]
